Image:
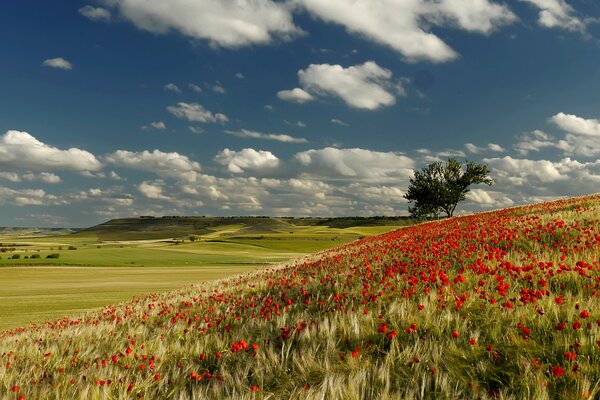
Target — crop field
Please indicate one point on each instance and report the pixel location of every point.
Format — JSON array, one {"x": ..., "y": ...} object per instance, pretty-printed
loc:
[
  {"x": 90, "y": 272},
  {"x": 494, "y": 305}
]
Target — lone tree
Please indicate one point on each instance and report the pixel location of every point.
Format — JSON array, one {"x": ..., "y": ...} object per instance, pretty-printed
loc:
[{"x": 439, "y": 187}]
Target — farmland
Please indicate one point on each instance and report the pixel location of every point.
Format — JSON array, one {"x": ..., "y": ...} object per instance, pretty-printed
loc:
[
  {"x": 97, "y": 267},
  {"x": 494, "y": 305}
]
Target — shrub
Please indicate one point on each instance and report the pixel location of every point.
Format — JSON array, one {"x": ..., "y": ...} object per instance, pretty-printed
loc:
[
  {"x": 16, "y": 256},
  {"x": 53, "y": 255},
  {"x": 35, "y": 256}
]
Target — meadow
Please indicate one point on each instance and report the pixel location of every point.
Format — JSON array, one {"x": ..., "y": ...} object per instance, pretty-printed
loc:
[
  {"x": 503, "y": 304},
  {"x": 91, "y": 272}
]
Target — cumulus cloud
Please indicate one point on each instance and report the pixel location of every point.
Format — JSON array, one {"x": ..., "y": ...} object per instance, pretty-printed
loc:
[
  {"x": 295, "y": 95},
  {"x": 195, "y": 112},
  {"x": 218, "y": 88},
  {"x": 402, "y": 24},
  {"x": 155, "y": 125},
  {"x": 582, "y": 137},
  {"x": 365, "y": 86},
  {"x": 489, "y": 198},
  {"x": 557, "y": 14},
  {"x": 535, "y": 141},
  {"x": 577, "y": 125},
  {"x": 22, "y": 150},
  {"x": 247, "y": 159},
  {"x": 10, "y": 176},
  {"x": 29, "y": 197},
  {"x": 355, "y": 163},
  {"x": 195, "y": 88},
  {"x": 152, "y": 191},
  {"x": 59, "y": 63},
  {"x": 172, "y": 88},
  {"x": 223, "y": 23},
  {"x": 47, "y": 177},
  {"x": 95, "y": 13},
  {"x": 172, "y": 164},
  {"x": 245, "y": 133},
  {"x": 519, "y": 171},
  {"x": 490, "y": 147}
]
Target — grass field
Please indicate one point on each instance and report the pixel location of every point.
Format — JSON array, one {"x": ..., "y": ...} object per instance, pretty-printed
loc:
[
  {"x": 500, "y": 305},
  {"x": 100, "y": 272}
]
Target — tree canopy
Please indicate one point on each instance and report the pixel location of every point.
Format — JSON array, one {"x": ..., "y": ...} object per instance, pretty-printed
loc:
[{"x": 440, "y": 187}]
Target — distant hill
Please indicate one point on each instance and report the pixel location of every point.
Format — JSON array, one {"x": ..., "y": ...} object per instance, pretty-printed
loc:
[
  {"x": 31, "y": 232},
  {"x": 173, "y": 227}
]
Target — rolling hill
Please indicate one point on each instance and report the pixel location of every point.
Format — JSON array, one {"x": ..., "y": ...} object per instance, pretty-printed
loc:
[{"x": 503, "y": 304}]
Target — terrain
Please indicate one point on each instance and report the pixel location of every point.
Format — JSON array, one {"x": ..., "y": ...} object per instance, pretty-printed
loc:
[
  {"x": 115, "y": 261},
  {"x": 503, "y": 304}
]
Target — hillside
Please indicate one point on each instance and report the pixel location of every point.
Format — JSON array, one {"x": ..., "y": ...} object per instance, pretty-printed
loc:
[
  {"x": 494, "y": 305},
  {"x": 175, "y": 227}
]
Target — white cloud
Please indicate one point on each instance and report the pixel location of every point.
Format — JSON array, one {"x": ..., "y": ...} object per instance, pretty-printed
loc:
[
  {"x": 338, "y": 122},
  {"x": 245, "y": 133},
  {"x": 361, "y": 86},
  {"x": 29, "y": 197},
  {"x": 195, "y": 88},
  {"x": 59, "y": 63},
  {"x": 557, "y": 13},
  {"x": 46, "y": 177},
  {"x": 489, "y": 198},
  {"x": 247, "y": 159},
  {"x": 356, "y": 163},
  {"x": 172, "y": 87},
  {"x": 195, "y": 112},
  {"x": 402, "y": 24},
  {"x": 218, "y": 88},
  {"x": 577, "y": 125},
  {"x": 155, "y": 125},
  {"x": 163, "y": 164},
  {"x": 152, "y": 191},
  {"x": 582, "y": 137},
  {"x": 520, "y": 171},
  {"x": 239, "y": 75},
  {"x": 11, "y": 176},
  {"x": 295, "y": 95},
  {"x": 299, "y": 124},
  {"x": 490, "y": 147},
  {"x": 95, "y": 13},
  {"x": 22, "y": 150},
  {"x": 536, "y": 141},
  {"x": 224, "y": 23},
  {"x": 195, "y": 129}
]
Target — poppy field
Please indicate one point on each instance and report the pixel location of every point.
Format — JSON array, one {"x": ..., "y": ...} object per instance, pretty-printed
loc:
[{"x": 503, "y": 304}]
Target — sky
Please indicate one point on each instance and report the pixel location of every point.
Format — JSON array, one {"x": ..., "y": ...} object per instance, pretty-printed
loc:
[{"x": 120, "y": 108}]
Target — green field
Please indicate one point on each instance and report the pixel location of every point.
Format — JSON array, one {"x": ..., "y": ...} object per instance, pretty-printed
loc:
[{"x": 90, "y": 272}]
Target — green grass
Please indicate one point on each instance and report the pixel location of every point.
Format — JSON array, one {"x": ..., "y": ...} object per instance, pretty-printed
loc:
[
  {"x": 36, "y": 294},
  {"x": 106, "y": 272}
]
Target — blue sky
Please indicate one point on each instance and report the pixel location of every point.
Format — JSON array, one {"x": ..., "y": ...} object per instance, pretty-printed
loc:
[{"x": 304, "y": 107}]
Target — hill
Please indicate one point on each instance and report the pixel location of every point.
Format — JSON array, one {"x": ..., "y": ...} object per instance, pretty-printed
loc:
[
  {"x": 149, "y": 227},
  {"x": 494, "y": 305}
]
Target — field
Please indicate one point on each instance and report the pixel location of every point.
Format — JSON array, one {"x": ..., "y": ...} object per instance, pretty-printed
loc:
[
  {"x": 91, "y": 272},
  {"x": 494, "y": 305}
]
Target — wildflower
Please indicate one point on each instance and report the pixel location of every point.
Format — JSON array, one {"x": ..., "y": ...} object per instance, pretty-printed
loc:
[
  {"x": 558, "y": 371},
  {"x": 455, "y": 334},
  {"x": 584, "y": 314}
]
